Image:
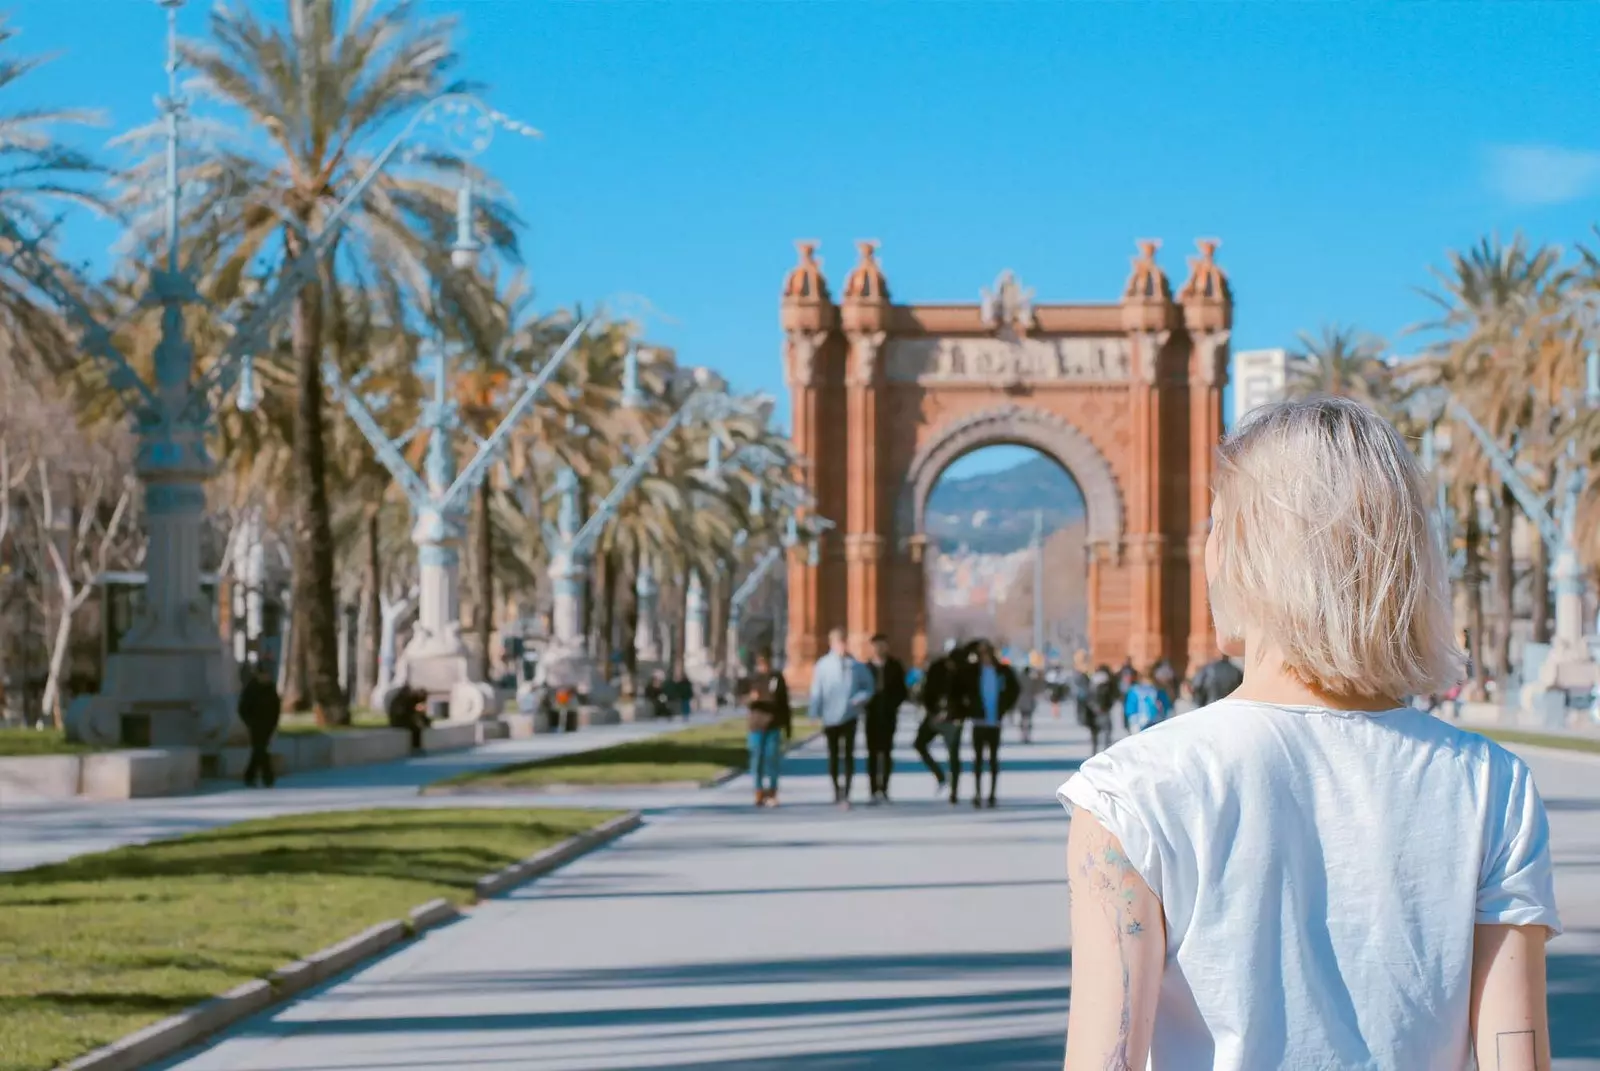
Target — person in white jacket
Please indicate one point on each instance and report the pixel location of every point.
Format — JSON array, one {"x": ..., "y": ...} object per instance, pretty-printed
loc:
[{"x": 840, "y": 688}]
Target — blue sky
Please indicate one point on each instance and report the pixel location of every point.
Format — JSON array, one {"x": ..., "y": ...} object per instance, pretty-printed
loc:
[{"x": 1336, "y": 149}]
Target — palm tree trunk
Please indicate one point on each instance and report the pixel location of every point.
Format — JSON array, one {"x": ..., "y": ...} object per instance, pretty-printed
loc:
[
  {"x": 298, "y": 698},
  {"x": 608, "y": 613},
  {"x": 1541, "y": 581},
  {"x": 1472, "y": 576},
  {"x": 313, "y": 530},
  {"x": 630, "y": 627},
  {"x": 372, "y": 596},
  {"x": 1505, "y": 580},
  {"x": 485, "y": 608}
]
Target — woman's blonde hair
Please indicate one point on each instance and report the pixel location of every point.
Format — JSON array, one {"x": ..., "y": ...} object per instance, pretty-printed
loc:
[{"x": 1326, "y": 545}]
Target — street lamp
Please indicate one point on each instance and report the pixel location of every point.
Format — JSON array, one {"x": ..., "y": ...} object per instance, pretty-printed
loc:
[
  {"x": 170, "y": 672},
  {"x": 1569, "y": 665}
]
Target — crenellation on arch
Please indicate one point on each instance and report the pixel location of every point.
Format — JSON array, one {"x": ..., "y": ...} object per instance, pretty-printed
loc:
[{"x": 1125, "y": 394}]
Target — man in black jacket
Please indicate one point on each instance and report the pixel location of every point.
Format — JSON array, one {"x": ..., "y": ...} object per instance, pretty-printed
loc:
[
  {"x": 990, "y": 690},
  {"x": 937, "y": 721},
  {"x": 259, "y": 709},
  {"x": 883, "y": 715}
]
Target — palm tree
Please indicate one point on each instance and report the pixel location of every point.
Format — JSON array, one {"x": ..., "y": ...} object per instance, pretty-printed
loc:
[
  {"x": 38, "y": 173},
  {"x": 1343, "y": 361},
  {"x": 317, "y": 94},
  {"x": 1499, "y": 306}
]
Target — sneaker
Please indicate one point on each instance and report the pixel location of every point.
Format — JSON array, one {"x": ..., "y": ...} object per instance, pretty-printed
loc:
[
  {"x": 991, "y": 803},
  {"x": 844, "y": 804},
  {"x": 977, "y": 804},
  {"x": 772, "y": 799},
  {"x": 761, "y": 798},
  {"x": 938, "y": 789}
]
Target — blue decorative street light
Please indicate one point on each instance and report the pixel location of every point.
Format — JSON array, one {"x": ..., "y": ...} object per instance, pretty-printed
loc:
[{"x": 171, "y": 681}]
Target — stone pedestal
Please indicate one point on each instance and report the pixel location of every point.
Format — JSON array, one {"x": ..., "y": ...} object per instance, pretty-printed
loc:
[
  {"x": 1569, "y": 667},
  {"x": 649, "y": 650},
  {"x": 171, "y": 682},
  {"x": 567, "y": 662},
  {"x": 698, "y": 665},
  {"x": 436, "y": 660}
]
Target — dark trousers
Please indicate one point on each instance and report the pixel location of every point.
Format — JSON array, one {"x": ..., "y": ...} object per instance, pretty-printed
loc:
[
  {"x": 950, "y": 731},
  {"x": 841, "y": 757},
  {"x": 985, "y": 738},
  {"x": 1099, "y": 732},
  {"x": 260, "y": 764},
  {"x": 880, "y": 750}
]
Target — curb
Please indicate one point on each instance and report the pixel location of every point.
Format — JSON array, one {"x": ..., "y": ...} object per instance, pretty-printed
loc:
[
  {"x": 556, "y": 855},
  {"x": 558, "y": 789},
  {"x": 162, "y": 1039}
]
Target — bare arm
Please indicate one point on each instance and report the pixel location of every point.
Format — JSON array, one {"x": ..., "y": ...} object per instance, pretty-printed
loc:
[
  {"x": 1118, "y": 953},
  {"x": 1510, "y": 1021}
]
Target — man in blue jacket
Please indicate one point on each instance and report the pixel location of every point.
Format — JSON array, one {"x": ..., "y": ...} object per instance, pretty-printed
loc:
[{"x": 840, "y": 689}]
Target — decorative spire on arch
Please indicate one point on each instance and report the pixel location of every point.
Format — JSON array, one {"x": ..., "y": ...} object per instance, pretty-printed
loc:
[
  {"x": 1207, "y": 281},
  {"x": 866, "y": 281},
  {"x": 1148, "y": 282},
  {"x": 805, "y": 281}
]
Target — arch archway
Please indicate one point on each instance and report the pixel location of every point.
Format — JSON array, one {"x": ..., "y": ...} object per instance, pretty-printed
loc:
[
  {"x": 1125, "y": 395},
  {"x": 1044, "y": 433}
]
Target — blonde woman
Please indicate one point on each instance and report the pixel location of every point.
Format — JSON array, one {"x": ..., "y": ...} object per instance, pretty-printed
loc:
[{"x": 1309, "y": 874}]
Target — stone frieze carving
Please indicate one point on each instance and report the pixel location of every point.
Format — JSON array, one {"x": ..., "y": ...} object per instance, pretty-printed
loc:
[{"x": 1023, "y": 360}]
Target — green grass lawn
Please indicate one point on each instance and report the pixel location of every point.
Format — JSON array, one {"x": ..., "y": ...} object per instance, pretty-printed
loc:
[
  {"x": 17, "y": 742},
  {"x": 1537, "y": 739},
  {"x": 101, "y": 945},
  {"x": 698, "y": 754},
  {"x": 360, "y": 718}
]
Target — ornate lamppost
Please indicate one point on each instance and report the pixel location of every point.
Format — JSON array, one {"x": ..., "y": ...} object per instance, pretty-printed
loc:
[
  {"x": 1569, "y": 665},
  {"x": 171, "y": 680},
  {"x": 567, "y": 662},
  {"x": 436, "y": 659}
]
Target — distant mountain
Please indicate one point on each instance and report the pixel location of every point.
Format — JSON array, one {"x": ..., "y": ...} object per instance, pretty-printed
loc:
[{"x": 992, "y": 513}]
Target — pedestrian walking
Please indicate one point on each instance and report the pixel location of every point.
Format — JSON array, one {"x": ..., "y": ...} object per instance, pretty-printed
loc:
[
  {"x": 1144, "y": 705},
  {"x": 1216, "y": 681},
  {"x": 766, "y": 694},
  {"x": 991, "y": 688},
  {"x": 260, "y": 709},
  {"x": 938, "y": 722},
  {"x": 680, "y": 692},
  {"x": 1098, "y": 706},
  {"x": 1385, "y": 875},
  {"x": 840, "y": 689},
  {"x": 883, "y": 715},
  {"x": 1032, "y": 687}
]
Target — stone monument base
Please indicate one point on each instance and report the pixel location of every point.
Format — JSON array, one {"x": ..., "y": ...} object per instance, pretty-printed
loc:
[{"x": 162, "y": 697}]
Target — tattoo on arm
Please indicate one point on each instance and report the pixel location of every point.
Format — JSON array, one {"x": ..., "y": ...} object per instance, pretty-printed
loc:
[
  {"x": 1514, "y": 1050},
  {"x": 1106, "y": 874}
]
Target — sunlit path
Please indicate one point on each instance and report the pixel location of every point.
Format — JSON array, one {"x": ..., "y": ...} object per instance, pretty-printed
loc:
[{"x": 913, "y": 936}]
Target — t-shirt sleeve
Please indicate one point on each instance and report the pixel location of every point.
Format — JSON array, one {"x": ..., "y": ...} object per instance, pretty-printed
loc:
[
  {"x": 1517, "y": 885},
  {"x": 1111, "y": 788}
]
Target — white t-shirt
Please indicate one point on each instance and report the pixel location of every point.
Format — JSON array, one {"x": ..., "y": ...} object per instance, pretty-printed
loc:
[{"x": 1320, "y": 872}]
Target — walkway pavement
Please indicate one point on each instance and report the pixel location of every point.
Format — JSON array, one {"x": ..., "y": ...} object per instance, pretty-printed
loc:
[
  {"x": 45, "y": 832},
  {"x": 913, "y": 937}
]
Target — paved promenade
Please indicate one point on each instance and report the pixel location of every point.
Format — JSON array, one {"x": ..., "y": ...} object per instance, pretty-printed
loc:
[
  {"x": 44, "y": 832},
  {"x": 912, "y": 937}
]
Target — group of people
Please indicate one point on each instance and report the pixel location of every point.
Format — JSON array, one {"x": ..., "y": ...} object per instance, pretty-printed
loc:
[
  {"x": 1139, "y": 700},
  {"x": 968, "y": 684}
]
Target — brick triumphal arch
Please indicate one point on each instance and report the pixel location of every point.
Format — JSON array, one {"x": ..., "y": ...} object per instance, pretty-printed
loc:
[{"x": 1125, "y": 395}]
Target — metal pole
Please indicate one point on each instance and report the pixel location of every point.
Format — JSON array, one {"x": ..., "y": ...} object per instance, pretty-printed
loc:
[{"x": 1038, "y": 581}]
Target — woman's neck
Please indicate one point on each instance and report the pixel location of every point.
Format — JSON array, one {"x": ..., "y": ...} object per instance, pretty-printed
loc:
[{"x": 1268, "y": 680}]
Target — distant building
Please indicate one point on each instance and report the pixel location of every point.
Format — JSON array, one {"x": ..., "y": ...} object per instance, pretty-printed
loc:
[{"x": 1259, "y": 377}]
